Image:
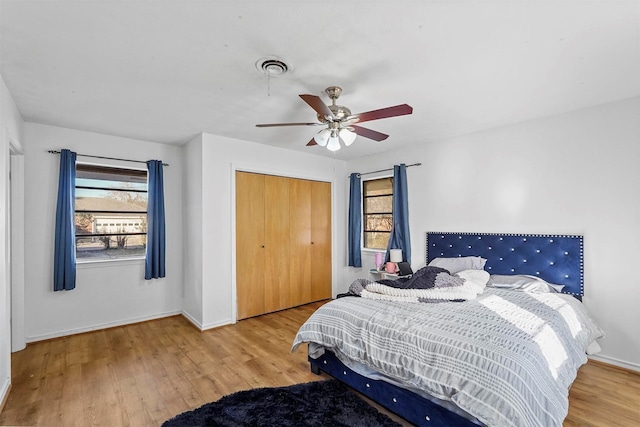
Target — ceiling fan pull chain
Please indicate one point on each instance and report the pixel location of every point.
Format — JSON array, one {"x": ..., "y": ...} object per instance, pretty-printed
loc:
[{"x": 272, "y": 65}]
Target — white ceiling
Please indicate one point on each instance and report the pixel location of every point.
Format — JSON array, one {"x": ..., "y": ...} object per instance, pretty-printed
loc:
[{"x": 167, "y": 70}]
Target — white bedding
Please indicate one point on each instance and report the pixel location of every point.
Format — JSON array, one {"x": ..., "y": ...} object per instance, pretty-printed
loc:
[{"x": 507, "y": 357}]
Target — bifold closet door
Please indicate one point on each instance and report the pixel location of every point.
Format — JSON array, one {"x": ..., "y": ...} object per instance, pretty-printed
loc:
[
  {"x": 300, "y": 241},
  {"x": 283, "y": 242},
  {"x": 320, "y": 240},
  {"x": 250, "y": 246},
  {"x": 276, "y": 240}
]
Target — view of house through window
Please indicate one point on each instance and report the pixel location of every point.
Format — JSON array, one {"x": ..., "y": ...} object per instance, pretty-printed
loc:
[
  {"x": 377, "y": 209},
  {"x": 111, "y": 212}
]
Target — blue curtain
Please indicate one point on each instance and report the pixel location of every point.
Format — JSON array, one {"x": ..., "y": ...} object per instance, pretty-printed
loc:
[
  {"x": 64, "y": 255},
  {"x": 399, "y": 238},
  {"x": 154, "y": 264},
  {"x": 355, "y": 221}
]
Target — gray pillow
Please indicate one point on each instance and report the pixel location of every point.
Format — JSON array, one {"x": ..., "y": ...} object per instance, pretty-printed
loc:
[
  {"x": 523, "y": 282},
  {"x": 454, "y": 265}
]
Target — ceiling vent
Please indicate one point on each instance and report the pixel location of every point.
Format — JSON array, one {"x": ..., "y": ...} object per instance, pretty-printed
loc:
[{"x": 272, "y": 66}]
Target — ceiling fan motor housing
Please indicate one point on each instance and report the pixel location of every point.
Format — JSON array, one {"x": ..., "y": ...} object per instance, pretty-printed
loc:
[{"x": 339, "y": 112}]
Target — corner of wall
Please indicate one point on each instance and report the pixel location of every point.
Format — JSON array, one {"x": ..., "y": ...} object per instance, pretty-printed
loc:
[
  {"x": 192, "y": 224},
  {"x": 11, "y": 124}
]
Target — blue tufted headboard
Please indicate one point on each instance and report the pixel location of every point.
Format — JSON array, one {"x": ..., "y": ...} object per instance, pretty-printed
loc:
[{"x": 554, "y": 258}]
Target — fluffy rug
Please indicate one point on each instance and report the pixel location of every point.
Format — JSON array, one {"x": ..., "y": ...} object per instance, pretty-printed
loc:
[{"x": 322, "y": 403}]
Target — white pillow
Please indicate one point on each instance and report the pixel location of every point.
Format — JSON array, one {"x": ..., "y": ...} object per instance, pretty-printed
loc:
[
  {"x": 457, "y": 264},
  {"x": 594, "y": 348},
  {"x": 477, "y": 277},
  {"x": 523, "y": 282}
]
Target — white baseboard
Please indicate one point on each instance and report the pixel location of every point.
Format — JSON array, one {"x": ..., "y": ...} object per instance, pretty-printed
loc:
[
  {"x": 192, "y": 320},
  {"x": 202, "y": 327},
  {"x": 218, "y": 324},
  {"x": 4, "y": 392},
  {"x": 616, "y": 362},
  {"x": 101, "y": 326}
]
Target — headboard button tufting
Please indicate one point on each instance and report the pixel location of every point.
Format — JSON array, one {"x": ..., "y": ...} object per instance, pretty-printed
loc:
[{"x": 555, "y": 258}]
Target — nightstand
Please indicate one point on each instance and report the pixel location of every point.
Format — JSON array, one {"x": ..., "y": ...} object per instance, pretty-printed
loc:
[{"x": 382, "y": 275}]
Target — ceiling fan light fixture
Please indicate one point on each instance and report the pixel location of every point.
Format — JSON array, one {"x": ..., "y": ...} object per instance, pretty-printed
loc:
[
  {"x": 333, "y": 144},
  {"x": 322, "y": 137},
  {"x": 347, "y": 137}
]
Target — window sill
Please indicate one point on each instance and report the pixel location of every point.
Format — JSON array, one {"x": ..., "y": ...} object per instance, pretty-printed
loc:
[
  {"x": 373, "y": 251},
  {"x": 108, "y": 262}
]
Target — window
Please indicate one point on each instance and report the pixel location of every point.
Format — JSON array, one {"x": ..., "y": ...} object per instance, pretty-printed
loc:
[
  {"x": 377, "y": 209},
  {"x": 108, "y": 202}
]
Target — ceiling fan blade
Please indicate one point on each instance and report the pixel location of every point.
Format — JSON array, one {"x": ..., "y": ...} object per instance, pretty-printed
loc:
[
  {"x": 269, "y": 125},
  {"x": 368, "y": 133},
  {"x": 383, "y": 113},
  {"x": 312, "y": 143},
  {"x": 316, "y": 103}
]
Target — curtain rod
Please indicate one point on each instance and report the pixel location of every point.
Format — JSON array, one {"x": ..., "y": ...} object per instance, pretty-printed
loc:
[
  {"x": 384, "y": 170},
  {"x": 108, "y": 158}
]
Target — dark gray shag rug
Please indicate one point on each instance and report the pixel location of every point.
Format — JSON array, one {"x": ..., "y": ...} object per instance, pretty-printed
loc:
[{"x": 322, "y": 403}]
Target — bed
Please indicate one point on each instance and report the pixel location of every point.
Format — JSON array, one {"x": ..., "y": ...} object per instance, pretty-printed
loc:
[{"x": 505, "y": 357}]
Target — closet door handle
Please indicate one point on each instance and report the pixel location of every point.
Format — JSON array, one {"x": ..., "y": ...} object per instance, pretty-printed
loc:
[{"x": 262, "y": 246}]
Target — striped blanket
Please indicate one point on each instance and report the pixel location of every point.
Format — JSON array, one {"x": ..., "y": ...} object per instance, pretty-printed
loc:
[{"x": 506, "y": 357}]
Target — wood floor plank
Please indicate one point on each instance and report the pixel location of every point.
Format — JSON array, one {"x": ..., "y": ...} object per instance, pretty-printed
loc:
[{"x": 143, "y": 374}]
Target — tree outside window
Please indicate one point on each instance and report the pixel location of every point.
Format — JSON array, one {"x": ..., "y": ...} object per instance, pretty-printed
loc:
[{"x": 377, "y": 209}]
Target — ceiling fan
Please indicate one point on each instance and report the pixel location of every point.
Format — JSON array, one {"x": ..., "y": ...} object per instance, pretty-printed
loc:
[{"x": 339, "y": 121}]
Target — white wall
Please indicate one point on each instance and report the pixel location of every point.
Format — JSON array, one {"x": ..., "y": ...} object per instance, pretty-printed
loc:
[
  {"x": 220, "y": 158},
  {"x": 575, "y": 173},
  {"x": 10, "y": 129},
  {"x": 107, "y": 293}
]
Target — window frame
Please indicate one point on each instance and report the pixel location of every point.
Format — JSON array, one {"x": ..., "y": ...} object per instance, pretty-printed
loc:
[
  {"x": 362, "y": 211},
  {"x": 122, "y": 258}
]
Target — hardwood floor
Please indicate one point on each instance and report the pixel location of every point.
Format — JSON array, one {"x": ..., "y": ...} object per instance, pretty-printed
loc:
[{"x": 143, "y": 374}]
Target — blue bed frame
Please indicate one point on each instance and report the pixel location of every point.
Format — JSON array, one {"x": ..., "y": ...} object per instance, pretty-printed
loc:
[{"x": 552, "y": 257}]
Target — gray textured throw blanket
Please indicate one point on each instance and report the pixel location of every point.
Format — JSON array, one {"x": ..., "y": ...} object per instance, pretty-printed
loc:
[
  {"x": 429, "y": 284},
  {"x": 425, "y": 278}
]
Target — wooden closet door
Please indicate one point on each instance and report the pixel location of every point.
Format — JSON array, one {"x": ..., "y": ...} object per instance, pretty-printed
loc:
[
  {"x": 321, "y": 276},
  {"x": 277, "y": 247},
  {"x": 300, "y": 241},
  {"x": 250, "y": 258}
]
